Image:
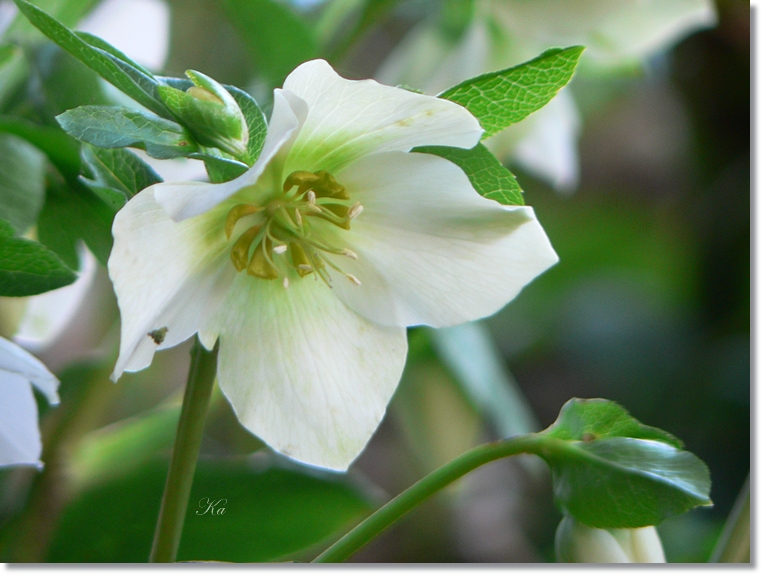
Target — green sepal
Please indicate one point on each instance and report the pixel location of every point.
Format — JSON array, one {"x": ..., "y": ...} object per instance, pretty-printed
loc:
[
  {"x": 611, "y": 471},
  {"x": 29, "y": 268},
  {"x": 210, "y": 113},
  {"x": 119, "y": 127},
  {"x": 499, "y": 99},
  {"x": 116, "y": 175},
  {"x": 485, "y": 172}
]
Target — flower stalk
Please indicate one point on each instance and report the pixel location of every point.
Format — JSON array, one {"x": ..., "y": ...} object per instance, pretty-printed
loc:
[
  {"x": 425, "y": 488},
  {"x": 182, "y": 465}
]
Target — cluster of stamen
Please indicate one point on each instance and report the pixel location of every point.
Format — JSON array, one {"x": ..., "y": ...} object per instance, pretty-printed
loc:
[{"x": 281, "y": 237}]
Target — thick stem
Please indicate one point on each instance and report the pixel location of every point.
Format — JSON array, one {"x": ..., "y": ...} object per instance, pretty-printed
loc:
[
  {"x": 422, "y": 490},
  {"x": 190, "y": 429}
]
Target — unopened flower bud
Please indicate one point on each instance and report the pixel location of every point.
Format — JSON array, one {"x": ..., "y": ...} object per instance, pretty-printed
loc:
[
  {"x": 578, "y": 543},
  {"x": 210, "y": 113}
]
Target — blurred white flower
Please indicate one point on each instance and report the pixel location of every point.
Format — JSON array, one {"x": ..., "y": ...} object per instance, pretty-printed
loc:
[
  {"x": 578, "y": 543},
  {"x": 345, "y": 238},
  {"x": 617, "y": 33},
  {"x": 19, "y": 432}
]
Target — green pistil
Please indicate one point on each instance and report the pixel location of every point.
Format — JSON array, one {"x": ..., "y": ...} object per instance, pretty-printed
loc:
[{"x": 281, "y": 227}]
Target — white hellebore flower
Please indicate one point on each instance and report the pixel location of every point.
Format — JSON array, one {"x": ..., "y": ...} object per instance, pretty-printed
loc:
[
  {"x": 578, "y": 543},
  {"x": 19, "y": 432},
  {"x": 309, "y": 267}
]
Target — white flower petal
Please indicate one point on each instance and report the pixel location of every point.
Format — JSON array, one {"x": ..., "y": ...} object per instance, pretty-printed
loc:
[
  {"x": 550, "y": 149},
  {"x": 187, "y": 199},
  {"x": 430, "y": 249},
  {"x": 302, "y": 371},
  {"x": 20, "y": 442},
  {"x": 166, "y": 275},
  {"x": 646, "y": 545},
  {"x": 348, "y": 119},
  {"x": 17, "y": 361}
]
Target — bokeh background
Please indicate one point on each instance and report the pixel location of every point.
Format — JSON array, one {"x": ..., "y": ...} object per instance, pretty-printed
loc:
[{"x": 649, "y": 306}]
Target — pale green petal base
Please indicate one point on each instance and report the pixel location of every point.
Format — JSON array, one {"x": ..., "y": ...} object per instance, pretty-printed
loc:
[{"x": 303, "y": 372}]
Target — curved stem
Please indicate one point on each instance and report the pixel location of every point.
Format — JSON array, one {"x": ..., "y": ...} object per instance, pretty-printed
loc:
[
  {"x": 190, "y": 429},
  {"x": 423, "y": 489}
]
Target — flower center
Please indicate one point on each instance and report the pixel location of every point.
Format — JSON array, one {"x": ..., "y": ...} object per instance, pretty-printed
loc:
[{"x": 282, "y": 238}]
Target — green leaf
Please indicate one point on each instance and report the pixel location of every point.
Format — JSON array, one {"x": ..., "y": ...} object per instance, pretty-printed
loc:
[
  {"x": 499, "y": 99},
  {"x": 72, "y": 213},
  {"x": 117, "y": 175},
  {"x": 485, "y": 172},
  {"x": 590, "y": 419},
  {"x": 22, "y": 182},
  {"x": 278, "y": 39},
  {"x": 62, "y": 150},
  {"x": 271, "y": 512},
  {"x": 611, "y": 471},
  {"x": 28, "y": 268},
  {"x": 119, "y": 127},
  {"x": 221, "y": 169},
  {"x": 130, "y": 80}
]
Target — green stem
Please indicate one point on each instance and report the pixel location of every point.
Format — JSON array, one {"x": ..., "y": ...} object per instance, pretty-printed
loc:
[
  {"x": 190, "y": 429},
  {"x": 425, "y": 488},
  {"x": 734, "y": 545}
]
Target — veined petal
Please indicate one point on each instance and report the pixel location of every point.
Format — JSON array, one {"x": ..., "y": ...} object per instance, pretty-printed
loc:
[
  {"x": 166, "y": 275},
  {"x": 430, "y": 249},
  {"x": 20, "y": 442},
  {"x": 302, "y": 371},
  {"x": 183, "y": 200},
  {"x": 16, "y": 361},
  {"x": 348, "y": 119}
]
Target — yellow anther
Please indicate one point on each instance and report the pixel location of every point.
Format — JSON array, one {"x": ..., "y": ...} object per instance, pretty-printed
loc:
[
  {"x": 280, "y": 249},
  {"x": 353, "y": 279},
  {"x": 285, "y": 283},
  {"x": 236, "y": 213},
  {"x": 311, "y": 197},
  {"x": 260, "y": 265},
  {"x": 240, "y": 252},
  {"x": 349, "y": 254}
]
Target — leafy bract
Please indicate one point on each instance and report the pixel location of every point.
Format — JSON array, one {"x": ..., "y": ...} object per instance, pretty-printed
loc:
[
  {"x": 485, "y": 172},
  {"x": 611, "y": 471},
  {"x": 27, "y": 267},
  {"x": 119, "y": 127},
  {"x": 22, "y": 182},
  {"x": 122, "y": 73},
  {"x": 499, "y": 99},
  {"x": 117, "y": 175}
]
